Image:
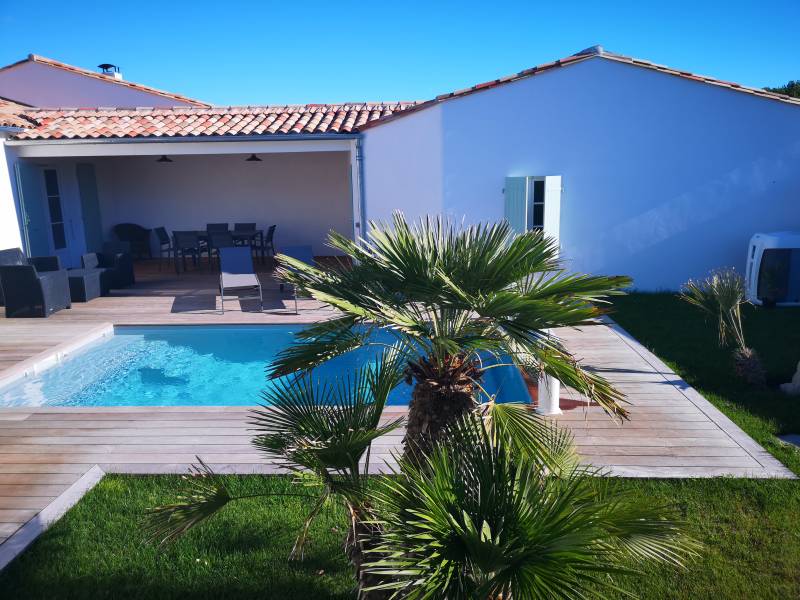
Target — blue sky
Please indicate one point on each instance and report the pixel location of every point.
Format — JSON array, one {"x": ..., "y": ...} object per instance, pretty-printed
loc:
[{"x": 297, "y": 52}]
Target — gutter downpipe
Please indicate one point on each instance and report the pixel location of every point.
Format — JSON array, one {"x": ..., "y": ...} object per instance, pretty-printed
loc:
[{"x": 361, "y": 190}]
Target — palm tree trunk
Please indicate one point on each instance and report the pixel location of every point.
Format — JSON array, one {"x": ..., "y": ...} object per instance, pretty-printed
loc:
[
  {"x": 748, "y": 367},
  {"x": 359, "y": 540},
  {"x": 432, "y": 409}
]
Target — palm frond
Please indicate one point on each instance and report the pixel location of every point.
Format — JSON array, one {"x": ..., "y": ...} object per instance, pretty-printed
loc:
[
  {"x": 720, "y": 295},
  {"x": 536, "y": 438},
  {"x": 325, "y": 425},
  {"x": 318, "y": 344},
  {"x": 205, "y": 495},
  {"x": 552, "y": 358},
  {"x": 478, "y": 519}
]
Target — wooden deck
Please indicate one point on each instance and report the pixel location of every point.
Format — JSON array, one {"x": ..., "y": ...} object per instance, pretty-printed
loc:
[{"x": 673, "y": 431}]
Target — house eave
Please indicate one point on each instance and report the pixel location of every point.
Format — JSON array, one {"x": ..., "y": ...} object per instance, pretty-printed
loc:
[
  {"x": 275, "y": 137},
  {"x": 183, "y": 146}
]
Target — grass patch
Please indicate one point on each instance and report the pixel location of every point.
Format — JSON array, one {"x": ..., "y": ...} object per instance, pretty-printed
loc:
[
  {"x": 683, "y": 337},
  {"x": 752, "y": 548},
  {"x": 97, "y": 550},
  {"x": 750, "y": 536}
]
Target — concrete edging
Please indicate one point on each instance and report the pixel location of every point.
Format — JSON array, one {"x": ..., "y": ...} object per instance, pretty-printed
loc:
[{"x": 27, "y": 534}]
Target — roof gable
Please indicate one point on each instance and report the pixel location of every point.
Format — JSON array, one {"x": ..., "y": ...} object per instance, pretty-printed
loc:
[
  {"x": 594, "y": 52},
  {"x": 49, "y": 62}
]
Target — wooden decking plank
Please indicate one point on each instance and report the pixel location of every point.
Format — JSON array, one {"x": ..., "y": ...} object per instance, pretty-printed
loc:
[
  {"x": 37, "y": 478},
  {"x": 17, "y": 467},
  {"x": 16, "y": 515},
  {"x": 34, "y": 489},
  {"x": 36, "y": 503}
]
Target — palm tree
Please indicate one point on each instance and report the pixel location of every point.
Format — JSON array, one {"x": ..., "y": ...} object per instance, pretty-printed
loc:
[
  {"x": 722, "y": 296},
  {"x": 487, "y": 516},
  {"x": 451, "y": 298},
  {"x": 319, "y": 430}
]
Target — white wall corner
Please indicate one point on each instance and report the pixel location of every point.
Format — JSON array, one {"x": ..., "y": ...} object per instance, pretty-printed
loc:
[{"x": 9, "y": 219}]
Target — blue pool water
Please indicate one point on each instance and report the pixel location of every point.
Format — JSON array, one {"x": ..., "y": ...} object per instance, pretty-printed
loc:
[{"x": 191, "y": 366}]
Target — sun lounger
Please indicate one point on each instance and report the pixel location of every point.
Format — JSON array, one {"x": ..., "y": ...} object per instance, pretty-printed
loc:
[{"x": 236, "y": 272}]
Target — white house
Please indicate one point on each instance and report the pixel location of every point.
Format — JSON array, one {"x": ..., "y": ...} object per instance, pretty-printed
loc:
[{"x": 638, "y": 169}]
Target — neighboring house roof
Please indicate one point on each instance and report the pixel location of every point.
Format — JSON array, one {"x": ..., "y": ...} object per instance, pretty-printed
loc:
[
  {"x": 201, "y": 122},
  {"x": 12, "y": 114},
  {"x": 34, "y": 58},
  {"x": 589, "y": 53}
]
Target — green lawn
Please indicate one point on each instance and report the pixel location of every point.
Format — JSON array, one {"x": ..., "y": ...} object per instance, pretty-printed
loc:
[
  {"x": 749, "y": 527},
  {"x": 686, "y": 340},
  {"x": 97, "y": 551}
]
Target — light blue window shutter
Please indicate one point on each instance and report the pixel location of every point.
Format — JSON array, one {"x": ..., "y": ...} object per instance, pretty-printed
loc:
[
  {"x": 516, "y": 201},
  {"x": 552, "y": 206}
]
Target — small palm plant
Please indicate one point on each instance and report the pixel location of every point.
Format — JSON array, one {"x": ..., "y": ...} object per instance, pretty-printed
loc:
[
  {"x": 451, "y": 297},
  {"x": 319, "y": 430},
  {"x": 722, "y": 296},
  {"x": 488, "y": 516}
]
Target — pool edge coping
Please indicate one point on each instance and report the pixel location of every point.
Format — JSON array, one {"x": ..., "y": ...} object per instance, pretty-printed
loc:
[{"x": 47, "y": 359}]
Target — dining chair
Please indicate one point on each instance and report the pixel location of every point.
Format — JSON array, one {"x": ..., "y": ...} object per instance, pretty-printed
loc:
[
  {"x": 269, "y": 241},
  {"x": 244, "y": 228},
  {"x": 185, "y": 242},
  {"x": 217, "y": 240},
  {"x": 164, "y": 245},
  {"x": 216, "y": 227}
]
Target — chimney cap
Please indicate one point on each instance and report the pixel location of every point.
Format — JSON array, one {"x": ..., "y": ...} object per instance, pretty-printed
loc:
[
  {"x": 591, "y": 51},
  {"x": 108, "y": 68}
]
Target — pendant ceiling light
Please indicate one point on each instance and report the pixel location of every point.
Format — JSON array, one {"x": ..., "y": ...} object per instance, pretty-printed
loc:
[
  {"x": 253, "y": 158},
  {"x": 164, "y": 159}
]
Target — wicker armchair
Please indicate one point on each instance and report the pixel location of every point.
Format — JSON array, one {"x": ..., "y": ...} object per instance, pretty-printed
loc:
[
  {"x": 32, "y": 287},
  {"x": 137, "y": 236},
  {"x": 116, "y": 267}
]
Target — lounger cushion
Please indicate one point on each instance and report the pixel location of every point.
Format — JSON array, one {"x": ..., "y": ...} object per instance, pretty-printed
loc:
[{"x": 239, "y": 280}]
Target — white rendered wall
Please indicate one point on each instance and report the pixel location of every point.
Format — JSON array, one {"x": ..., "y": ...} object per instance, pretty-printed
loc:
[
  {"x": 664, "y": 178},
  {"x": 304, "y": 194},
  {"x": 9, "y": 221},
  {"x": 50, "y": 87},
  {"x": 403, "y": 166}
]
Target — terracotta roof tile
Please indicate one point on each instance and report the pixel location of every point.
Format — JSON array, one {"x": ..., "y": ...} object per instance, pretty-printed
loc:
[
  {"x": 11, "y": 114},
  {"x": 198, "y": 122}
]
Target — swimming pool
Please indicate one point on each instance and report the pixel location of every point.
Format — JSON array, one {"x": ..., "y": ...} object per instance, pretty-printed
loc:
[{"x": 190, "y": 365}]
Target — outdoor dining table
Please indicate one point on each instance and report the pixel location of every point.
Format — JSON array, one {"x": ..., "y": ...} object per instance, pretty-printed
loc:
[
  {"x": 239, "y": 236},
  {"x": 246, "y": 236}
]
